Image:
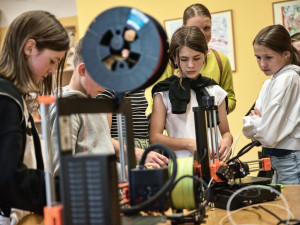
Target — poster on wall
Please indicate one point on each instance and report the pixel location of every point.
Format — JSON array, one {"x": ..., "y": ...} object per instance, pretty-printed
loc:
[
  {"x": 171, "y": 26},
  {"x": 287, "y": 13},
  {"x": 72, "y": 36},
  {"x": 221, "y": 34}
]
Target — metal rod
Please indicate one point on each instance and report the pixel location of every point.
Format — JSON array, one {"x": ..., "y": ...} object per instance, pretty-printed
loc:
[
  {"x": 252, "y": 161},
  {"x": 49, "y": 181},
  {"x": 216, "y": 134},
  {"x": 256, "y": 170},
  {"x": 211, "y": 135},
  {"x": 121, "y": 147}
]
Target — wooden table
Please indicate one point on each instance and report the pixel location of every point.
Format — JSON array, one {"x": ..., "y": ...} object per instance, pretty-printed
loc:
[
  {"x": 258, "y": 216},
  {"x": 241, "y": 216}
]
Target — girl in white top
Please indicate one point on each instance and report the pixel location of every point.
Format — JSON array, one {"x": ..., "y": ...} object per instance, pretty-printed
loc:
[
  {"x": 275, "y": 120},
  {"x": 188, "y": 50}
]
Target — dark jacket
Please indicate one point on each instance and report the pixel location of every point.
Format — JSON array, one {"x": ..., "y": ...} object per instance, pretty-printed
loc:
[{"x": 20, "y": 187}]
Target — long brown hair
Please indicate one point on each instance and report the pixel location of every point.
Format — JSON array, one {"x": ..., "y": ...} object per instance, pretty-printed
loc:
[
  {"x": 48, "y": 33},
  {"x": 277, "y": 38},
  {"x": 189, "y": 36}
]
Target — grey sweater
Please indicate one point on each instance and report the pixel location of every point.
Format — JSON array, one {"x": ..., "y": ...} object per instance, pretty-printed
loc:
[{"x": 90, "y": 132}]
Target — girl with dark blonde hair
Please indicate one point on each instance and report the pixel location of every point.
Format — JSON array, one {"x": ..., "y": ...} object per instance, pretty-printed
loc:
[{"x": 34, "y": 50}]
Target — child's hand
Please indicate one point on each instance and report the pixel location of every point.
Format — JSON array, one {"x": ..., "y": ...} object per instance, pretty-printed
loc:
[
  {"x": 191, "y": 145},
  {"x": 223, "y": 150},
  {"x": 255, "y": 112},
  {"x": 224, "y": 146},
  {"x": 155, "y": 157}
]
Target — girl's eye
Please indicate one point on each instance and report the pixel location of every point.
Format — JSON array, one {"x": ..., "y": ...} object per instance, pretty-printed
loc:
[
  {"x": 52, "y": 62},
  {"x": 183, "y": 60},
  {"x": 206, "y": 28}
]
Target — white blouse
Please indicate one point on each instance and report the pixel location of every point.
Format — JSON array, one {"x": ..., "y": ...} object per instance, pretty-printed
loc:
[{"x": 183, "y": 125}]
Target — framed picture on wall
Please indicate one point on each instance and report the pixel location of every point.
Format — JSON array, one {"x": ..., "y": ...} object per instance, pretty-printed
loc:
[
  {"x": 171, "y": 26},
  {"x": 221, "y": 37},
  {"x": 72, "y": 36},
  {"x": 287, "y": 13}
]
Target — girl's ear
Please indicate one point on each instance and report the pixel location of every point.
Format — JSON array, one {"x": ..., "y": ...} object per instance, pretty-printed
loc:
[
  {"x": 287, "y": 55},
  {"x": 29, "y": 45}
]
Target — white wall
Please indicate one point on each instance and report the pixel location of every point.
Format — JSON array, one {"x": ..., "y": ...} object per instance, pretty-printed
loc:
[{"x": 12, "y": 8}]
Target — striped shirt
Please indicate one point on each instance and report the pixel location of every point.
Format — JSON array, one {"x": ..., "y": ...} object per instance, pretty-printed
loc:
[{"x": 139, "y": 119}]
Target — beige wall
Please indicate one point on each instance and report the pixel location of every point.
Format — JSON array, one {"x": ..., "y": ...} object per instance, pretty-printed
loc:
[
  {"x": 2, "y": 34},
  {"x": 70, "y": 21},
  {"x": 248, "y": 19}
]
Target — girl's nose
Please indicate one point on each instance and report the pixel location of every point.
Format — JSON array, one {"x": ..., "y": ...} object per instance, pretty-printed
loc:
[
  {"x": 50, "y": 72},
  {"x": 52, "y": 69},
  {"x": 263, "y": 63}
]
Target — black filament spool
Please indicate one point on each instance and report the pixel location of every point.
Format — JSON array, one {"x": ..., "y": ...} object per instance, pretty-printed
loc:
[{"x": 104, "y": 43}]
